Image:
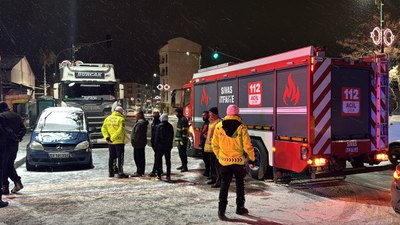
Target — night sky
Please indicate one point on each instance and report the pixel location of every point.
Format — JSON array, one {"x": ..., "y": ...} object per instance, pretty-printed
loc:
[{"x": 244, "y": 29}]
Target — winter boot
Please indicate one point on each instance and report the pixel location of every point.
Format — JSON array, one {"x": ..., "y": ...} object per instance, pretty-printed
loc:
[
  {"x": 221, "y": 211},
  {"x": 240, "y": 210},
  {"x": 184, "y": 169},
  {"x": 3, "y": 204},
  {"x": 5, "y": 190},
  {"x": 17, "y": 186}
]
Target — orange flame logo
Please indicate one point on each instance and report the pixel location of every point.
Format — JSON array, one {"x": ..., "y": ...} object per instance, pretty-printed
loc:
[
  {"x": 204, "y": 97},
  {"x": 291, "y": 91}
]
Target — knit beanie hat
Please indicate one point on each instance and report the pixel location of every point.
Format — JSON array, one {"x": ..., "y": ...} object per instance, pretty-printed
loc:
[
  {"x": 119, "y": 109},
  {"x": 214, "y": 110},
  {"x": 179, "y": 110},
  {"x": 232, "y": 110},
  {"x": 164, "y": 117}
]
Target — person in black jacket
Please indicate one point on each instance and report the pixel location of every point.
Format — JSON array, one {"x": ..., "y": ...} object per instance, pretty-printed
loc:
[
  {"x": 154, "y": 124},
  {"x": 15, "y": 131},
  {"x": 2, "y": 160},
  {"x": 164, "y": 138},
  {"x": 139, "y": 141},
  {"x": 203, "y": 137}
]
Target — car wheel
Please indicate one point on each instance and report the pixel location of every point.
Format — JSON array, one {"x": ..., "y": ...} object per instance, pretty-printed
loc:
[
  {"x": 261, "y": 167},
  {"x": 394, "y": 154},
  {"x": 29, "y": 166}
]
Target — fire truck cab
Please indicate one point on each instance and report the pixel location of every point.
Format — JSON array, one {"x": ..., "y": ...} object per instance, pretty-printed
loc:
[{"x": 306, "y": 113}]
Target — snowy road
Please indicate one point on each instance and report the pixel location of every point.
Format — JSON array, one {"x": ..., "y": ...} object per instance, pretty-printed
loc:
[{"x": 90, "y": 197}]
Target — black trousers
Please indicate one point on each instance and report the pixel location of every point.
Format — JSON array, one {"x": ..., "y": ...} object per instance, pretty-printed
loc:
[
  {"x": 11, "y": 149},
  {"x": 227, "y": 173},
  {"x": 155, "y": 162},
  {"x": 2, "y": 165},
  {"x": 206, "y": 160},
  {"x": 116, "y": 158},
  {"x": 182, "y": 152},
  {"x": 215, "y": 168},
  {"x": 159, "y": 154},
  {"x": 140, "y": 160}
]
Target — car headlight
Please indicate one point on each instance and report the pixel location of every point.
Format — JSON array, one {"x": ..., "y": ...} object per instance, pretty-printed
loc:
[
  {"x": 34, "y": 145},
  {"x": 82, "y": 146}
]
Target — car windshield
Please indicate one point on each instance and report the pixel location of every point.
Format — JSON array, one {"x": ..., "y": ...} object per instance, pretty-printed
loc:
[
  {"x": 88, "y": 91},
  {"x": 60, "y": 121}
]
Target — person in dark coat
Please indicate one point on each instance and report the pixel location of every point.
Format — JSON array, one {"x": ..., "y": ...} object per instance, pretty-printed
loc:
[
  {"x": 139, "y": 141},
  {"x": 2, "y": 160},
  {"x": 164, "y": 137},
  {"x": 154, "y": 124},
  {"x": 203, "y": 137},
  {"x": 15, "y": 131},
  {"x": 181, "y": 137}
]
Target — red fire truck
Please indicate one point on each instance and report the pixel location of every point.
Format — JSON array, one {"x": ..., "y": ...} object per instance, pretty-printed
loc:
[{"x": 306, "y": 113}]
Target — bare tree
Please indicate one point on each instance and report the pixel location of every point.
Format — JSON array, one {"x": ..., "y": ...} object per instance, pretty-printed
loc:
[
  {"x": 46, "y": 58},
  {"x": 360, "y": 44}
]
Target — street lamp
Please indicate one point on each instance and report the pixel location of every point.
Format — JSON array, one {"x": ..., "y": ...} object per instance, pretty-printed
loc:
[{"x": 196, "y": 55}]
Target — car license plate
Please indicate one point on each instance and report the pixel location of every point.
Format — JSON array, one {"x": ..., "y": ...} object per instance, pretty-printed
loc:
[{"x": 59, "y": 155}]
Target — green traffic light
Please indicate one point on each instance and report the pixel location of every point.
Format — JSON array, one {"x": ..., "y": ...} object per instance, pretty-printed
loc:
[{"x": 215, "y": 55}]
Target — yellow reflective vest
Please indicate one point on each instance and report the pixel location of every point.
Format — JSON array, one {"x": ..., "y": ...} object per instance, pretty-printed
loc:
[
  {"x": 211, "y": 128},
  {"x": 232, "y": 149},
  {"x": 114, "y": 128}
]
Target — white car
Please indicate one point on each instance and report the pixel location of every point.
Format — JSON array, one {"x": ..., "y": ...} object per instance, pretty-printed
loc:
[{"x": 394, "y": 139}]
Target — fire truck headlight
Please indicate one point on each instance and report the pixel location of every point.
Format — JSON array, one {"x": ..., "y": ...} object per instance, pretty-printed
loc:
[{"x": 303, "y": 152}]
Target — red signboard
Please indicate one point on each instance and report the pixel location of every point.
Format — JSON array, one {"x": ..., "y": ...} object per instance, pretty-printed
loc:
[
  {"x": 254, "y": 90},
  {"x": 351, "y": 101}
]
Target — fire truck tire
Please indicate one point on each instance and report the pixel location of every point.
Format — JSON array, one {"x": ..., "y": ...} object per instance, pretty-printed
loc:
[
  {"x": 357, "y": 162},
  {"x": 190, "y": 150},
  {"x": 394, "y": 154},
  {"x": 261, "y": 168}
]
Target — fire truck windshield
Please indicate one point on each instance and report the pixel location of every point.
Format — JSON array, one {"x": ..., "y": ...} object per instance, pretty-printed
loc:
[{"x": 75, "y": 91}]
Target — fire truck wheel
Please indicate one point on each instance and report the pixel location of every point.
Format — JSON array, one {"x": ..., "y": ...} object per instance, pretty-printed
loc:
[
  {"x": 357, "y": 162},
  {"x": 394, "y": 154},
  {"x": 261, "y": 168},
  {"x": 190, "y": 150}
]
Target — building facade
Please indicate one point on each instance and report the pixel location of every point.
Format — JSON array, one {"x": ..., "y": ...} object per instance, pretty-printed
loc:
[
  {"x": 139, "y": 96},
  {"x": 179, "y": 59},
  {"x": 17, "y": 85}
]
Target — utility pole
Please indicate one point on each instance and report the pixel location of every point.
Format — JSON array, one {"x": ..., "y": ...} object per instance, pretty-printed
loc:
[
  {"x": 381, "y": 25},
  {"x": 44, "y": 81}
]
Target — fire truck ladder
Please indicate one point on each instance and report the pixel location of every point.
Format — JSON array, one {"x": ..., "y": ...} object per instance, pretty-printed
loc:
[{"x": 382, "y": 103}]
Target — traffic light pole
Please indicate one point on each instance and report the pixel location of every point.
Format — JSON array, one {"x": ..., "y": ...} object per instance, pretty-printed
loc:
[{"x": 225, "y": 54}]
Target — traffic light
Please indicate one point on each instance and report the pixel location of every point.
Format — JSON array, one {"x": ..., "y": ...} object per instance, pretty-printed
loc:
[{"x": 215, "y": 54}]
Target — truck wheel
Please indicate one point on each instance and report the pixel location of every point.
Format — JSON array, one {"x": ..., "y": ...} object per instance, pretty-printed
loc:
[
  {"x": 29, "y": 167},
  {"x": 357, "y": 162},
  {"x": 190, "y": 150},
  {"x": 261, "y": 168},
  {"x": 394, "y": 154}
]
